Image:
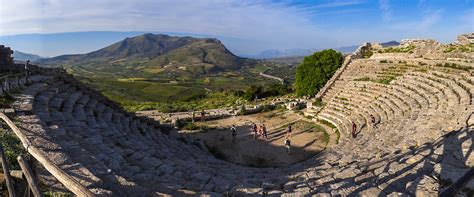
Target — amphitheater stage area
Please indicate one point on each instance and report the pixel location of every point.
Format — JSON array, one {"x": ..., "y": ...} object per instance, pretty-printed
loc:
[{"x": 307, "y": 139}]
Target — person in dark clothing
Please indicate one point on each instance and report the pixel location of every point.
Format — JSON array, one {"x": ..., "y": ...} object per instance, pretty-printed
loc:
[
  {"x": 203, "y": 114},
  {"x": 288, "y": 131},
  {"x": 372, "y": 119},
  {"x": 264, "y": 131},
  {"x": 254, "y": 130},
  {"x": 288, "y": 145},
  {"x": 27, "y": 72},
  {"x": 354, "y": 129},
  {"x": 233, "y": 132}
]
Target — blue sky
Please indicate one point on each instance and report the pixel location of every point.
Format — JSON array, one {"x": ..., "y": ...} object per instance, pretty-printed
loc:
[{"x": 246, "y": 27}]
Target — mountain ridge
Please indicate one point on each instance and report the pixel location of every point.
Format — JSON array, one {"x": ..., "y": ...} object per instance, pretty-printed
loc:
[
  {"x": 156, "y": 52},
  {"x": 273, "y": 53},
  {"x": 22, "y": 56}
]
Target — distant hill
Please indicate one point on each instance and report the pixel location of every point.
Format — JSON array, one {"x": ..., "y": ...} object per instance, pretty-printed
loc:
[
  {"x": 390, "y": 43},
  {"x": 270, "y": 54},
  {"x": 150, "y": 54},
  {"x": 20, "y": 56}
]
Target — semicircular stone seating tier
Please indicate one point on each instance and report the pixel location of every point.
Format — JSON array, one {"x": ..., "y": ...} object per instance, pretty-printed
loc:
[{"x": 112, "y": 152}]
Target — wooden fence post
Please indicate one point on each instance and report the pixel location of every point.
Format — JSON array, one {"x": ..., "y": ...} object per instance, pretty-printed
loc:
[
  {"x": 8, "y": 178},
  {"x": 32, "y": 181}
]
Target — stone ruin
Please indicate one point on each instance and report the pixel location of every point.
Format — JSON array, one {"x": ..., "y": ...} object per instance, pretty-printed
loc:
[
  {"x": 465, "y": 39},
  {"x": 6, "y": 55},
  {"x": 421, "y": 141}
]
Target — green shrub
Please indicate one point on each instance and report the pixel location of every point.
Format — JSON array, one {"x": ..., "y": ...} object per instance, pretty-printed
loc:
[
  {"x": 318, "y": 102},
  {"x": 242, "y": 110},
  {"x": 315, "y": 70}
]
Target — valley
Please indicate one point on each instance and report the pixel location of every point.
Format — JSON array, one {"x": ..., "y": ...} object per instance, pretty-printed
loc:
[{"x": 162, "y": 72}]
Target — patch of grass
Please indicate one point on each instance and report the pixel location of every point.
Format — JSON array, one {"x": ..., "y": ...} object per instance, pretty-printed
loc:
[
  {"x": 384, "y": 80},
  {"x": 343, "y": 98},
  {"x": 363, "y": 79},
  {"x": 11, "y": 146},
  {"x": 6, "y": 100},
  {"x": 460, "y": 48},
  {"x": 192, "y": 126},
  {"x": 454, "y": 66},
  {"x": 319, "y": 128},
  {"x": 327, "y": 123},
  {"x": 405, "y": 49},
  {"x": 57, "y": 194}
]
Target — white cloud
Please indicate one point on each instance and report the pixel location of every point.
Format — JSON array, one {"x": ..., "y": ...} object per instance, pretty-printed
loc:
[
  {"x": 428, "y": 20},
  {"x": 257, "y": 20},
  {"x": 263, "y": 24},
  {"x": 334, "y": 4},
  {"x": 386, "y": 9}
]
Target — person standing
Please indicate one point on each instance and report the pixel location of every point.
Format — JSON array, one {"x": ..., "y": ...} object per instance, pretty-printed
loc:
[
  {"x": 288, "y": 145},
  {"x": 354, "y": 129},
  {"x": 264, "y": 131},
  {"x": 288, "y": 131},
  {"x": 27, "y": 73},
  {"x": 203, "y": 114},
  {"x": 372, "y": 119},
  {"x": 254, "y": 130},
  {"x": 233, "y": 132}
]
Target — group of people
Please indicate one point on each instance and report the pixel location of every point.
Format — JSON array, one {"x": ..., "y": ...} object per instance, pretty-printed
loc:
[
  {"x": 354, "y": 126},
  {"x": 261, "y": 130}
]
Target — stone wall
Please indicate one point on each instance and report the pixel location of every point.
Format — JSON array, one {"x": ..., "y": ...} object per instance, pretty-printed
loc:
[
  {"x": 359, "y": 53},
  {"x": 61, "y": 74},
  {"x": 362, "y": 50},
  {"x": 6, "y": 55}
]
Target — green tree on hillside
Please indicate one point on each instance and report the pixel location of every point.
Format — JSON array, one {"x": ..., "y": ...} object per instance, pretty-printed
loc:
[{"x": 315, "y": 71}]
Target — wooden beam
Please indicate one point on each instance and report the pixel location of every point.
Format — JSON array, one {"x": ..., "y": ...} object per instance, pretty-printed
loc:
[
  {"x": 6, "y": 172},
  {"x": 32, "y": 180},
  {"x": 68, "y": 181}
]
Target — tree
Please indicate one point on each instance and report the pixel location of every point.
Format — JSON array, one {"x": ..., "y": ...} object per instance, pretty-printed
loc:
[
  {"x": 315, "y": 71},
  {"x": 253, "y": 92}
]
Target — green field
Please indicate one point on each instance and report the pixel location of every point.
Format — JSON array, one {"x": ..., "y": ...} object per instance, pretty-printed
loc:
[{"x": 176, "y": 90}]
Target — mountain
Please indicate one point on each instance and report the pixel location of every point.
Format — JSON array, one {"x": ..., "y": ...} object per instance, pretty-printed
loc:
[
  {"x": 270, "y": 54},
  {"x": 390, "y": 43},
  {"x": 20, "y": 56},
  {"x": 150, "y": 54}
]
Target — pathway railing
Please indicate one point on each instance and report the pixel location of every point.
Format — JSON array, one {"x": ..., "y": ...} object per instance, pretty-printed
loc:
[{"x": 69, "y": 182}]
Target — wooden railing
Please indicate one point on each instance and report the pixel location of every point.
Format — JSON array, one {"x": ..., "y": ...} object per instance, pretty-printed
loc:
[{"x": 69, "y": 182}]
